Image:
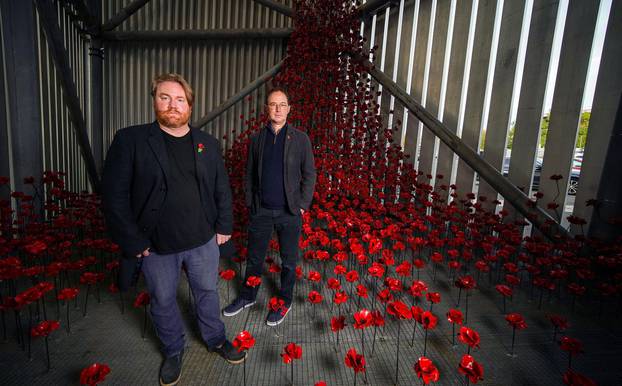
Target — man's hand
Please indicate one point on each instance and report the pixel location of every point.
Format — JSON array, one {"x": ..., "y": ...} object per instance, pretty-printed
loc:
[
  {"x": 221, "y": 239},
  {"x": 302, "y": 211},
  {"x": 145, "y": 253}
]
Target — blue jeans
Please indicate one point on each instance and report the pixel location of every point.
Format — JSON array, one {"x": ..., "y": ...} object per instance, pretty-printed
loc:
[
  {"x": 162, "y": 278},
  {"x": 260, "y": 229}
]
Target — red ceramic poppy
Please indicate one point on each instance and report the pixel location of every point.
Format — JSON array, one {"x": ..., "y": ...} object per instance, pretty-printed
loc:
[
  {"x": 572, "y": 378},
  {"x": 340, "y": 297},
  {"x": 275, "y": 304},
  {"x": 94, "y": 374},
  {"x": 399, "y": 310},
  {"x": 471, "y": 368},
  {"x": 465, "y": 282},
  {"x": 516, "y": 320},
  {"x": 253, "y": 281},
  {"x": 417, "y": 313},
  {"x": 428, "y": 320},
  {"x": 418, "y": 288},
  {"x": 454, "y": 316},
  {"x": 314, "y": 276},
  {"x": 337, "y": 323},
  {"x": 571, "y": 345},
  {"x": 376, "y": 270},
  {"x": 227, "y": 274},
  {"x": 290, "y": 352},
  {"x": 469, "y": 337},
  {"x": 504, "y": 290},
  {"x": 68, "y": 293},
  {"x": 362, "y": 319},
  {"x": 426, "y": 370},
  {"x": 244, "y": 341},
  {"x": 315, "y": 297},
  {"x": 377, "y": 318},
  {"x": 433, "y": 297},
  {"x": 333, "y": 284},
  {"x": 385, "y": 295},
  {"x": 361, "y": 291},
  {"x": 355, "y": 361},
  {"x": 352, "y": 276},
  {"x": 44, "y": 328},
  {"x": 142, "y": 299},
  {"x": 559, "y": 322}
]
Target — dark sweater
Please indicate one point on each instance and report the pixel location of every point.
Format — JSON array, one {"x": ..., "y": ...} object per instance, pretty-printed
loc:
[
  {"x": 272, "y": 184},
  {"x": 182, "y": 224}
]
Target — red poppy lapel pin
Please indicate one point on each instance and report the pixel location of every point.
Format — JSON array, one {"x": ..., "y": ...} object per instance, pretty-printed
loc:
[{"x": 200, "y": 148}]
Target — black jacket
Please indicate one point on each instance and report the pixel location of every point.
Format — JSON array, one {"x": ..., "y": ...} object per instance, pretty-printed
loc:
[
  {"x": 134, "y": 187},
  {"x": 299, "y": 170}
]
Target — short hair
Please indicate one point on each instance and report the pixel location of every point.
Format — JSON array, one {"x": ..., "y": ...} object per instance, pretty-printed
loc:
[
  {"x": 172, "y": 77},
  {"x": 277, "y": 89}
]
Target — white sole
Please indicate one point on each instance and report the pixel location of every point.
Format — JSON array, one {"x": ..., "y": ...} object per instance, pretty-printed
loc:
[
  {"x": 238, "y": 311},
  {"x": 172, "y": 383},
  {"x": 272, "y": 324}
]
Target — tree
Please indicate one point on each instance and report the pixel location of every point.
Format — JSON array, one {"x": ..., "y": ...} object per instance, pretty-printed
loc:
[{"x": 544, "y": 130}]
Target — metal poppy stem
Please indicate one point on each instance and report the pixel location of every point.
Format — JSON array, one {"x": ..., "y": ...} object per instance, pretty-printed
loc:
[
  {"x": 47, "y": 352},
  {"x": 425, "y": 342},
  {"x": 86, "y": 299},
  {"x": 18, "y": 327},
  {"x": 56, "y": 297},
  {"x": 244, "y": 367},
  {"x": 292, "y": 372},
  {"x": 68, "y": 320},
  {"x": 3, "y": 326},
  {"x": 373, "y": 345},
  {"x": 412, "y": 341},
  {"x": 466, "y": 307},
  {"x": 122, "y": 302},
  {"x": 28, "y": 332},
  {"x": 513, "y": 337},
  {"x": 453, "y": 334},
  {"x": 459, "y": 295},
  {"x": 45, "y": 314},
  {"x": 144, "y": 322},
  {"x": 397, "y": 361}
]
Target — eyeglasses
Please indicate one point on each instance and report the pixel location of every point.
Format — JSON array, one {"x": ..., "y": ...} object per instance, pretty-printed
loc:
[{"x": 281, "y": 106}]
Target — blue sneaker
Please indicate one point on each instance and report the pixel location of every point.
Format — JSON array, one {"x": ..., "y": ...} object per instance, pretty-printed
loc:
[
  {"x": 276, "y": 317},
  {"x": 237, "y": 306}
]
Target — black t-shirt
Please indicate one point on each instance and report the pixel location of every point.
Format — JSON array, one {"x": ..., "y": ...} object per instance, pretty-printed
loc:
[{"x": 182, "y": 224}]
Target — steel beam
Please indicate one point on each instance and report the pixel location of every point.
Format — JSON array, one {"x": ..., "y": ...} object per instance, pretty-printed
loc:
[
  {"x": 95, "y": 108},
  {"x": 54, "y": 37},
  {"x": 280, "y": 8},
  {"x": 216, "y": 34},
  {"x": 375, "y": 6},
  {"x": 123, "y": 15},
  {"x": 536, "y": 215},
  {"x": 238, "y": 96}
]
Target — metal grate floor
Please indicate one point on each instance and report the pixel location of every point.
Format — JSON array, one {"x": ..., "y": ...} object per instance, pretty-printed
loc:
[{"x": 107, "y": 336}]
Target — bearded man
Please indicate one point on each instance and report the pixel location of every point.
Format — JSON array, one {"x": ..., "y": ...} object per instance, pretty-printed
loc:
[{"x": 167, "y": 204}]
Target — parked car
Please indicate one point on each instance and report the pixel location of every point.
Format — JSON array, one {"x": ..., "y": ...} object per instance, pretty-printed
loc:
[{"x": 574, "y": 172}]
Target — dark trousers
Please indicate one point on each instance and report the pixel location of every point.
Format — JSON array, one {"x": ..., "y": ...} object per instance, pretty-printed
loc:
[
  {"x": 260, "y": 229},
  {"x": 162, "y": 278}
]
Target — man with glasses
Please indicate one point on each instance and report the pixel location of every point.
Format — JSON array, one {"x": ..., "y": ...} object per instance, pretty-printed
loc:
[{"x": 280, "y": 180}]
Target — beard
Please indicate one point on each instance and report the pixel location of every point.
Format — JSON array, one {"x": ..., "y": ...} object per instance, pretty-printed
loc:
[{"x": 172, "y": 118}]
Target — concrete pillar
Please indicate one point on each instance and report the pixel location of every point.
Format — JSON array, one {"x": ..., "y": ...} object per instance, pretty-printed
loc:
[{"x": 22, "y": 91}]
